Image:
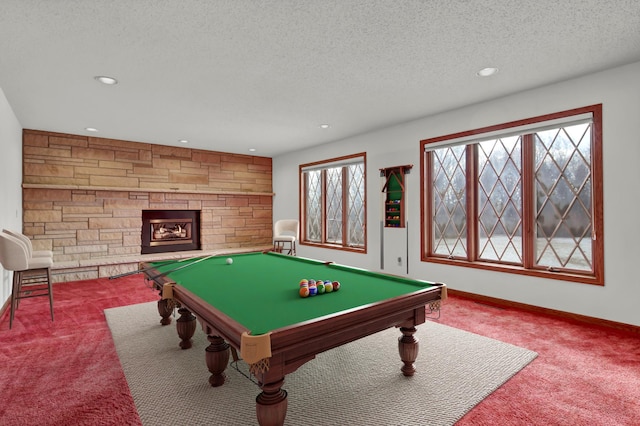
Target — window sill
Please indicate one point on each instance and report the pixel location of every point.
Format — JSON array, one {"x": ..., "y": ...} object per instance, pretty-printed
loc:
[
  {"x": 362, "y": 250},
  {"x": 512, "y": 269}
]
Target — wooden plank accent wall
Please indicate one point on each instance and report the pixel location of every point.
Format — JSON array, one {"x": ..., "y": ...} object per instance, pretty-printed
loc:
[{"x": 83, "y": 196}]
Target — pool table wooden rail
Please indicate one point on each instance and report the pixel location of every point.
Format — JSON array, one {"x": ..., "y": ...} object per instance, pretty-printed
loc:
[
  {"x": 319, "y": 334},
  {"x": 294, "y": 345}
]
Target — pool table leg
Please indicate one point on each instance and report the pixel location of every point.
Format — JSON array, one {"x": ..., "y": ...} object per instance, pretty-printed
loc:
[
  {"x": 271, "y": 404},
  {"x": 217, "y": 358},
  {"x": 186, "y": 326},
  {"x": 165, "y": 309},
  {"x": 408, "y": 347}
]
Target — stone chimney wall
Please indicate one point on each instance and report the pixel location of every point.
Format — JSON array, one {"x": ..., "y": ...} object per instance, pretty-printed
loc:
[{"x": 83, "y": 196}]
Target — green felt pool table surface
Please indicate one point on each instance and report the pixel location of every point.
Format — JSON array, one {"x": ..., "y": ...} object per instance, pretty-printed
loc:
[
  {"x": 261, "y": 290},
  {"x": 253, "y": 305}
]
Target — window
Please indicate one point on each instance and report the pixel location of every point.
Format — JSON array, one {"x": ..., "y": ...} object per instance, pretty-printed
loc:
[
  {"x": 522, "y": 197},
  {"x": 333, "y": 203}
]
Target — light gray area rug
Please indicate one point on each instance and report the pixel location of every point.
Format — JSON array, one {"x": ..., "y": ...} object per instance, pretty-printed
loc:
[{"x": 357, "y": 384}]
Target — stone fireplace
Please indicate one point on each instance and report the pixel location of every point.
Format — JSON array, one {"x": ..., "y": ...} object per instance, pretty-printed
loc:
[
  {"x": 170, "y": 230},
  {"x": 83, "y": 199}
]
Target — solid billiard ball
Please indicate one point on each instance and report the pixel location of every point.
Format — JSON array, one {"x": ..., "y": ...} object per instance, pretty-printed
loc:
[
  {"x": 336, "y": 285},
  {"x": 304, "y": 291},
  {"x": 229, "y": 261}
]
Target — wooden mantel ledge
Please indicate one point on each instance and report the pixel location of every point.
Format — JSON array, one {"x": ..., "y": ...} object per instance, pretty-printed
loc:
[{"x": 138, "y": 189}]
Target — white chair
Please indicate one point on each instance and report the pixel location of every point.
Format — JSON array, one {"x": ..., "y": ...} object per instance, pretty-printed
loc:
[
  {"x": 31, "y": 275},
  {"x": 286, "y": 231},
  {"x": 27, "y": 241}
]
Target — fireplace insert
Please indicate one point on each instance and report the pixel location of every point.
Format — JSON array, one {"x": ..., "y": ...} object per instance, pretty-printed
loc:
[{"x": 170, "y": 230}]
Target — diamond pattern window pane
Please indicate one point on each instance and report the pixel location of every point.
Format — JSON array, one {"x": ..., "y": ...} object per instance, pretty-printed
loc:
[
  {"x": 314, "y": 206},
  {"x": 356, "y": 212},
  {"x": 563, "y": 197},
  {"x": 559, "y": 191},
  {"x": 449, "y": 201},
  {"x": 500, "y": 200},
  {"x": 334, "y": 205}
]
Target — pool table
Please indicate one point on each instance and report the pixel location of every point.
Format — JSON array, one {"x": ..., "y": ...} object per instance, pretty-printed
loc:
[{"x": 253, "y": 306}]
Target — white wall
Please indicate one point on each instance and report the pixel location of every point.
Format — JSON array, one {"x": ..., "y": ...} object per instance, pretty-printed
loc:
[
  {"x": 10, "y": 181},
  {"x": 617, "y": 89}
]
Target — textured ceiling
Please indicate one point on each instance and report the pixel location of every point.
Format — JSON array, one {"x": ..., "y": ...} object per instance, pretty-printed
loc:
[{"x": 229, "y": 75}]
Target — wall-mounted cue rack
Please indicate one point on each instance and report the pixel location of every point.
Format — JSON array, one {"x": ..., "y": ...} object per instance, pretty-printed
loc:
[{"x": 394, "y": 200}]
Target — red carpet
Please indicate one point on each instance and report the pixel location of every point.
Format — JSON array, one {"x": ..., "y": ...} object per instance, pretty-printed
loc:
[
  {"x": 583, "y": 375},
  {"x": 67, "y": 372}
]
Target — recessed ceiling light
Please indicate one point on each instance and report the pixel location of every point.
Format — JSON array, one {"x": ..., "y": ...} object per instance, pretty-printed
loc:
[
  {"x": 91, "y": 129},
  {"x": 106, "y": 80},
  {"x": 324, "y": 126},
  {"x": 252, "y": 150},
  {"x": 486, "y": 72},
  {"x": 183, "y": 141}
]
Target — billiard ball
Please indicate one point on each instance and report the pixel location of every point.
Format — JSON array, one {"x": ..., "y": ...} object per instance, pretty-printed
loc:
[
  {"x": 304, "y": 291},
  {"x": 328, "y": 288},
  {"x": 336, "y": 285},
  {"x": 304, "y": 282},
  {"x": 320, "y": 289},
  {"x": 229, "y": 261},
  {"x": 313, "y": 291}
]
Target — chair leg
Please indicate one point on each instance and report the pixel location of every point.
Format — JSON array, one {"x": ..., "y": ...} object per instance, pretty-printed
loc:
[
  {"x": 50, "y": 286},
  {"x": 15, "y": 292},
  {"x": 280, "y": 247},
  {"x": 18, "y": 283},
  {"x": 34, "y": 278}
]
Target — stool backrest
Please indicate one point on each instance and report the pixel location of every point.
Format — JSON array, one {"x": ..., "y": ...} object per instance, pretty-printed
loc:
[
  {"x": 14, "y": 255},
  {"x": 23, "y": 238},
  {"x": 286, "y": 227}
]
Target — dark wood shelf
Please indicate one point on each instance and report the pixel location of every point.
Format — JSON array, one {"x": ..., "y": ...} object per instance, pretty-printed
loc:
[{"x": 394, "y": 208}]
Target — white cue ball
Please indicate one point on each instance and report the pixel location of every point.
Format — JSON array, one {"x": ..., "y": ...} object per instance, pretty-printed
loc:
[{"x": 229, "y": 261}]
